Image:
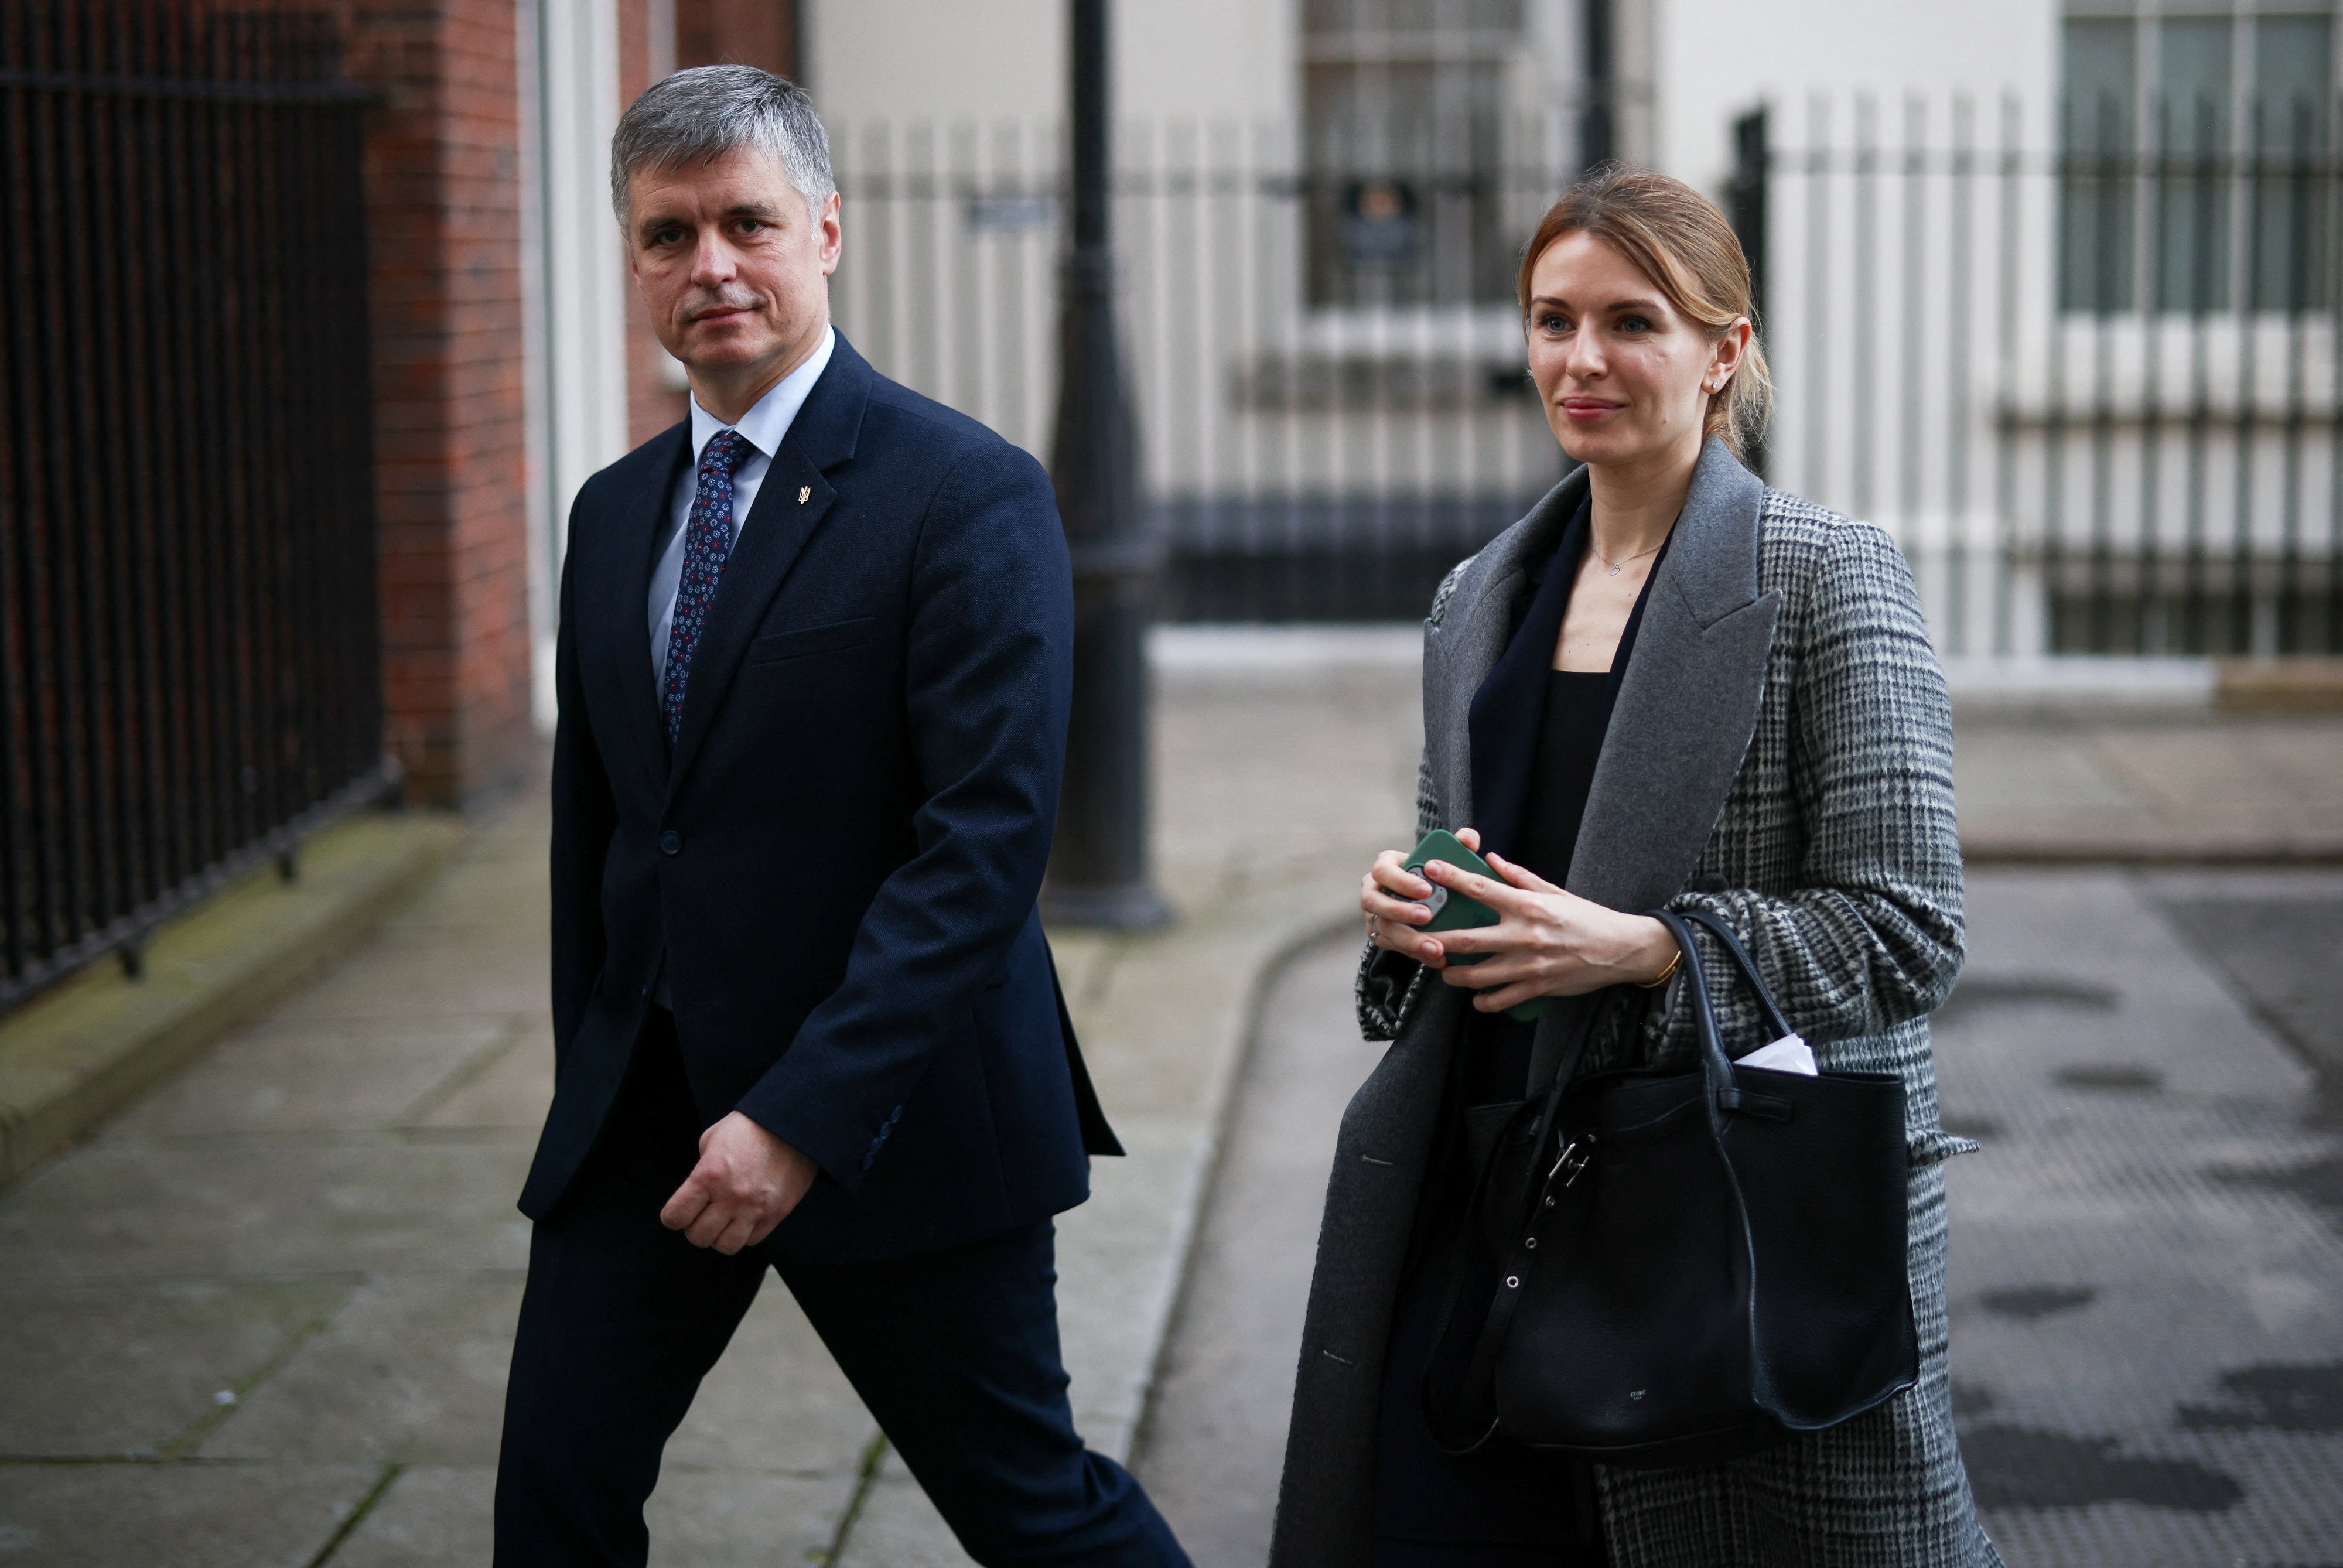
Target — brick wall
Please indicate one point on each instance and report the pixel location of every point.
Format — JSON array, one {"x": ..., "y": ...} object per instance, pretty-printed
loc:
[
  {"x": 443, "y": 207},
  {"x": 736, "y": 32},
  {"x": 443, "y": 215}
]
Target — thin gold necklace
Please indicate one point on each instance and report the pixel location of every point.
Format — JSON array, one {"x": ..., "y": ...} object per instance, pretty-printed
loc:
[{"x": 1615, "y": 565}]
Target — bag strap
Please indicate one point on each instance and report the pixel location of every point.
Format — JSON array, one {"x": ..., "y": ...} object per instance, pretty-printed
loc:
[
  {"x": 1715, "y": 926},
  {"x": 1714, "y": 1065}
]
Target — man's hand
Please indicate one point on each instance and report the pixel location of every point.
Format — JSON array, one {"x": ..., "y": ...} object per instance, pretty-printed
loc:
[{"x": 747, "y": 1182}]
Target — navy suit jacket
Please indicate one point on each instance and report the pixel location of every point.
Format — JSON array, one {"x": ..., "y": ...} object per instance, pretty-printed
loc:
[{"x": 838, "y": 864}]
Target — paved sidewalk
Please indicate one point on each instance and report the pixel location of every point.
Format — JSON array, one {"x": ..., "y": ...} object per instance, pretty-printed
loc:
[
  {"x": 2147, "y": 1258},
  {"x": 2190, "y": 787},
  {"x": 263, "y": 1316}
]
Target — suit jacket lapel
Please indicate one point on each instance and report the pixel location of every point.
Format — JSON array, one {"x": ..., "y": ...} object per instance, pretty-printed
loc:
[
  {"x": 1688, "y": 702},
  {"x": 641, "y": 518},
  {"x": 775, "y": 531}
]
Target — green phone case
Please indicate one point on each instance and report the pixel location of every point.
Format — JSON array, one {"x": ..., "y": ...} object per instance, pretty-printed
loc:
[{"x": 1457, "y": 912}]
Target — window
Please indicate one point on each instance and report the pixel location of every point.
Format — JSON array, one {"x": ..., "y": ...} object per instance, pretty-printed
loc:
[
  {"x": 2097, "y": 122},
  {"x": 1403, "y": 149},
  {"x": 2293, "y": 86},
  {"x": 2193, "y": 152}
]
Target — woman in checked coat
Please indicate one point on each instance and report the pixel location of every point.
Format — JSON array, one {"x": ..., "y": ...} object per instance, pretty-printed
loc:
[{"x": 1667, "y": 686}]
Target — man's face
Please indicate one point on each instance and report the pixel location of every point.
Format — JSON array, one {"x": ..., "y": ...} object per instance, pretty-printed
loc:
[{"x": 733, "y": 268}]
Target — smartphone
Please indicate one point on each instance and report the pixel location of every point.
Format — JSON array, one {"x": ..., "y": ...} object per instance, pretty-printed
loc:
[{"x": 1453, "y": 911}]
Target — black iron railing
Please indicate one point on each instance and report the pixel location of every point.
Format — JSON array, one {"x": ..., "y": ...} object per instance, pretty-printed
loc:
[
  {"x": 2083, "y": 360},
  {"x": 189, "y": 640},
  {"x": 2089, "y": 377}
]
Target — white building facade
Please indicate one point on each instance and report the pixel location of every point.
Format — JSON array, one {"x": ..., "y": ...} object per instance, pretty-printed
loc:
[{"x": 2047, "y": 286}]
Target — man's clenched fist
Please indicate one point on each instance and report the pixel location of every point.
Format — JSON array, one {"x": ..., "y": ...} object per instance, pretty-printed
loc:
[{"x": 745, "y": 1183}]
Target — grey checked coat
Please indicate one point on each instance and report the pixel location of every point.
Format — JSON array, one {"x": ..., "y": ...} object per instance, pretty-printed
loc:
[{"x": 1780, "y": 755}]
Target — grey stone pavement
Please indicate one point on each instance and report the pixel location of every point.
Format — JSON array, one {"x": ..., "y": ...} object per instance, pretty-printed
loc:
[{"x": 262, "y": 1317}]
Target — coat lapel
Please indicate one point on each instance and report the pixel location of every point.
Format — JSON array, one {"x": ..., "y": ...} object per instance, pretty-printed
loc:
[
  {"x": 776, "y": 531},
  {"x": 1466, "y": 644},
  {"x": 1688, "y": 702}
]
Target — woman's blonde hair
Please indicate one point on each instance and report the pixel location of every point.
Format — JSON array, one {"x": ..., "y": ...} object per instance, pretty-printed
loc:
[{"x": 1679, "y": 240}]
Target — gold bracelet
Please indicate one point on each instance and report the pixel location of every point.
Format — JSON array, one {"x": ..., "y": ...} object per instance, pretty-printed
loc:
[{"x": 1665, "y": 975}]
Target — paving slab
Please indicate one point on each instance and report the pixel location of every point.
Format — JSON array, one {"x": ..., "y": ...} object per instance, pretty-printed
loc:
[
  {"x": 734, "y": 1518},
  {"x": 178, "y": 1353},
  {"x": 2202, "y": 787},
  {"x": 428, "y": 1516},
  {"x": 120, "y": 1208},
  {"x": 775, "y": 1406},
  {"x": 410, "y": 1369},
  {"x": 183, "y": 1515},
  {"x": 277, "y": 1078},
  {"x": 2146, "y": 1310},
  {"x": 897, "y": 1526},
  {"x": 507, "y": 1090},
  {"x": 2278, "y": 938}
]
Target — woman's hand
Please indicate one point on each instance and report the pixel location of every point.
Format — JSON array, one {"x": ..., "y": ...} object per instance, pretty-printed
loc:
[
  {"x": 1392, "y": 898},
  {"x": 1546, "y": 942}
]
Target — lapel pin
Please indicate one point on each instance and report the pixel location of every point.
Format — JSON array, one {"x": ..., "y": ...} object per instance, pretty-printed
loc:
[{"x": 805, "y": 494}]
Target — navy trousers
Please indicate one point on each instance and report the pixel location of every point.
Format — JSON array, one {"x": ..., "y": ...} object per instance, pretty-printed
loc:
[{"x": 955, "y": 1353}]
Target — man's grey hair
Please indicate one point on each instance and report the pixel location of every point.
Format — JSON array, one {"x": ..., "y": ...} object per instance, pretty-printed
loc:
[{"x": 698, "y": 115}]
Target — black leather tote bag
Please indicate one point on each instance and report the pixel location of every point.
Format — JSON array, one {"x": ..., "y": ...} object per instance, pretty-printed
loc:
[{"x": 1685, "y": 1267}]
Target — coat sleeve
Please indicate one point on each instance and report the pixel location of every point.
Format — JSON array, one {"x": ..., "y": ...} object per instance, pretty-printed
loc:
[
  {"x": 1869, "y": 934},
  {"x": 585, "y": 816},
  {"x": 1389, "y": 985},
  {"x": 988, "y": 683}
]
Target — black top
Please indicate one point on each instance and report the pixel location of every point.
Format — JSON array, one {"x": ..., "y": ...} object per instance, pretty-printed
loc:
[
  {"x": 1496, "y": 1056},
  {"x": 1569, "y": 740}
]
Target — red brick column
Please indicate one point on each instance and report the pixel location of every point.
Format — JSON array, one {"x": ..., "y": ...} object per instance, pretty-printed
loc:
[
  {"x": 652, "y": 404},
  {"x": 736, "y": 32},
  {"x": 443, "y": 209}
]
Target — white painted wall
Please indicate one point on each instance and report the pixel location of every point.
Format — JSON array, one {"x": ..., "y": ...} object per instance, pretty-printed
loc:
[
  {"x": 573, "y": 279},
  {"x": 1713, "y": 60},
  {"x": 984, "y": 61}
]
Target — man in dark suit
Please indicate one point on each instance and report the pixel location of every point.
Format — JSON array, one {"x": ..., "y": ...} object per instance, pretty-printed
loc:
[{"x": 815, "y": 650}]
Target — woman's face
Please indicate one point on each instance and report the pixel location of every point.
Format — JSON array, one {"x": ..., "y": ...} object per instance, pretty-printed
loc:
[{"x": 1621, "y": 375}]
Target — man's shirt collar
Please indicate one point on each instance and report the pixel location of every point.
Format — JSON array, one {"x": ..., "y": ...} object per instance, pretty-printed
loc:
[{"x": 767, "y": 421}]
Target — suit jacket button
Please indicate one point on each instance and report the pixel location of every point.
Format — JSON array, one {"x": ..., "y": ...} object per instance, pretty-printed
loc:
[{"x": 671, "y": 842}]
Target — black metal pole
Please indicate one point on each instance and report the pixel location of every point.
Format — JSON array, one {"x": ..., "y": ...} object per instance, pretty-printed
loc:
[
  {"x": 1598, "y": 141},
  {"x": 1098, "y": 866}
]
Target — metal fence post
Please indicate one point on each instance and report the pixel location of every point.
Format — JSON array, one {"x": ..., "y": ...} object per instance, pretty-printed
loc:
[{"x": 1098, "y": 867}]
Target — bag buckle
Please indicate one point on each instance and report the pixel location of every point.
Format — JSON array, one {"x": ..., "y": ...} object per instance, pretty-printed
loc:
[{"x": 1575, "y": 1156}]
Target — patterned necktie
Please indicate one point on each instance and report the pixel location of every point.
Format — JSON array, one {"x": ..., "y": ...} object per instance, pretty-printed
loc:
[{"x": 706, "y": 544}]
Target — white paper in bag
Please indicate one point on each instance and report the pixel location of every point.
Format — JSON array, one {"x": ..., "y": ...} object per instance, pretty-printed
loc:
[{"x": 1788, "y": 1054}]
